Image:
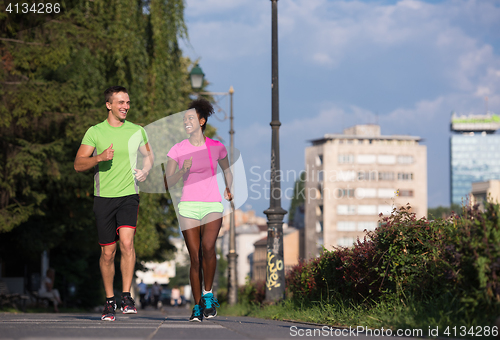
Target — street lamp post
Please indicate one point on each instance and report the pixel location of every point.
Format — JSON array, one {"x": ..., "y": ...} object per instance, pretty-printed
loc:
[
  {"x": 275, "y": 272},
  {"x": 197, "y": 76}
]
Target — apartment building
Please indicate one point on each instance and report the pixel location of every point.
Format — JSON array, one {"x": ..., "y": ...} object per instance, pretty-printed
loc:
[{"x": 353, "y": 177}]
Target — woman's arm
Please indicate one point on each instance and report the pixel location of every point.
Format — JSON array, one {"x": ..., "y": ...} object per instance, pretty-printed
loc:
[
  {"x": 172, "y": 177},
  {"x": 228, "y": 177}
]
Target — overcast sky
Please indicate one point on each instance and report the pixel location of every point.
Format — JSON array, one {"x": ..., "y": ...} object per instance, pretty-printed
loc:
[{"x": 405, "y": 65}]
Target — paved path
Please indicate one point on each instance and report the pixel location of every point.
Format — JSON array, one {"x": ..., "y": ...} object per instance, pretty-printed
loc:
[{"x": 170, "y": 323}]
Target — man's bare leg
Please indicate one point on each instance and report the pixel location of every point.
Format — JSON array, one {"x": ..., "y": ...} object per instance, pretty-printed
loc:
[
  {"x": 127, "y": 257},
  {"x": 107, "y": 265}
]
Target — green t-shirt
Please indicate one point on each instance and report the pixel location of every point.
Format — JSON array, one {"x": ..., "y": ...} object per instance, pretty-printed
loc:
[{"x": 115, "y": 178}]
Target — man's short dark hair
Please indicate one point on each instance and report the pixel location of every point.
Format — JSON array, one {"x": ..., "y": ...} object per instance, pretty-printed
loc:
[{"x": 110, "y": 91}]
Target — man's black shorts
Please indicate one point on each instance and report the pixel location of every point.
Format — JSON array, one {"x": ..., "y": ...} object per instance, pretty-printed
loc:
[{"x": 111, "y": 214}]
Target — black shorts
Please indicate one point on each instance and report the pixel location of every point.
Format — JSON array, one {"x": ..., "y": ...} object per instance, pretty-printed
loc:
[{"x": 111, "y": 214}]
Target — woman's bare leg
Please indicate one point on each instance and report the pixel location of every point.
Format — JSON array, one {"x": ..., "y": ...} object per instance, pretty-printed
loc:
[
  {"x": 210, "y": 228},
  {"x": 192, "y": 237}
]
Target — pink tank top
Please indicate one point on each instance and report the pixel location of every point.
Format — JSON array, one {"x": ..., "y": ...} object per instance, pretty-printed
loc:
[{"x": 200, "y": 182}]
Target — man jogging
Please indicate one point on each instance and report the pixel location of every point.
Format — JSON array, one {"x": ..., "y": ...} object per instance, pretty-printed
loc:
[{"x": 111, "y": 148}]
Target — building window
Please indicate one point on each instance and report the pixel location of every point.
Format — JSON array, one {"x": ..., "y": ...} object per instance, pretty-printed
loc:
[
  {"x": 319, "y": 226},
  {"x": 346, "y": 176},
  {"x": 386, "y": 193},
  {"x": 345, "y": 241},
  {"x": 345, "y": 193},
  {"x": 346, "y": 159},
  {"x": 386, "y": 176},
  {"x": 367, "y": 210},
  {"x": 386, "y": 159},
  {"x": 367, "y": 175},
  {"x": 385, "y": 209},
  {"x": 368, "y": 226},
  {"x": 319, "y": 210},
  {"x": 405, "y": 176},
  {"x": 366, "y": 193},
  {"x": 346, "y": 209},
  {"x": 346, "y": 226},
  {"x": 366, "y": 159},
  {"x": 405, "y": 193},
  {"x": 319, "y": 160},
  {"x": 405, "y": 159}
]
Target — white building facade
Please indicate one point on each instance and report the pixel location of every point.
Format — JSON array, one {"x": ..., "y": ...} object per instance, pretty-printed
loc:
[{"x": 353, "y": 177}]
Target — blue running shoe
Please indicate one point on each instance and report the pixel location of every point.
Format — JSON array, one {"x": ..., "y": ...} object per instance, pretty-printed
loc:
[
  {"x": 209, "y": 304},
  {"x": 196, "y": 315}
]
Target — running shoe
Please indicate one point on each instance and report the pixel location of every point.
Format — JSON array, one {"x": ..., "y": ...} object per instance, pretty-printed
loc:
[
  {"x": 196, "y": 315},
  {"x": 128, "y": 305},
  {"x": 108, "y": 314},
  {"x": 209, "y": 304}
]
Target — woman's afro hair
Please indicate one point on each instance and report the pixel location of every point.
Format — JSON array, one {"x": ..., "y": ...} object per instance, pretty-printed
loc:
[{"x": 203, "y": 108}]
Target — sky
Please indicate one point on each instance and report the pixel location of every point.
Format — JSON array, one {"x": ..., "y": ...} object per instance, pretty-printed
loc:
[{"x": 405, "y": 65}]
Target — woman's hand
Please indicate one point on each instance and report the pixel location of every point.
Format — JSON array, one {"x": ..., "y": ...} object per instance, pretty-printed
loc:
[
  {"x": 228, "y": 195},
  {"x": 187, "y": 164}
]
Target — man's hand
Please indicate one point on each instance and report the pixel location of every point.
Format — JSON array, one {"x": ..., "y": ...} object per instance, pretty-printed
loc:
[
  {"x": 107, "y": 154},
  {"x": 187, "y": 165},
  {"x": 141, "y": 175}
]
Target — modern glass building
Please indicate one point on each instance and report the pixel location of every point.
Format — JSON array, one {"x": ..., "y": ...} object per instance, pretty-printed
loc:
[{"x": 475, "y": 157}]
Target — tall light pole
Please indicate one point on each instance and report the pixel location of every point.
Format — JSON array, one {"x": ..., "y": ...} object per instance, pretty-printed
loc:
[
  {"x": 197, "y": 76},
  {"x": 275, "y": 273}
]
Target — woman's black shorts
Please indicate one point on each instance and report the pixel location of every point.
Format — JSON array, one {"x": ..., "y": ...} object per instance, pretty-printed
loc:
[{"x": 114, "y": 213}]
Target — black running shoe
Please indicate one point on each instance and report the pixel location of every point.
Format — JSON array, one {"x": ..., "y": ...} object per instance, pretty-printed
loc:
[
  {"x": 128, "y": 305},
  {"x": 196, "y": 315},
  {"x": 209, "y": 304},
  {"x": 108, "y": 314}
]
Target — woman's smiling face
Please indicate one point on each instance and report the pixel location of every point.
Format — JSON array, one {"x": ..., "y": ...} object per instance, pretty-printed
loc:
[{"x": 191, "y": 121}]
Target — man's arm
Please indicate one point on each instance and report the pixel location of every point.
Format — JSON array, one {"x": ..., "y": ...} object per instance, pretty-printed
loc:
[
  {"x": 148, "y": 159},
  {"x": 84, "y": 161}
]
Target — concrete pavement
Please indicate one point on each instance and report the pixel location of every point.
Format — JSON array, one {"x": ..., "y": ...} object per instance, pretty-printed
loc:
[{"x": 149, "y": 324}]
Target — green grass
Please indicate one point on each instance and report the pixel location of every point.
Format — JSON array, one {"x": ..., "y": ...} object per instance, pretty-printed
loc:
[{"x": 442, "y": 312}]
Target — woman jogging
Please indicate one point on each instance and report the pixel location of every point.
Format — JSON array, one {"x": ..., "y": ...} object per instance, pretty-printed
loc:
[{"x": 200, "y": 209}]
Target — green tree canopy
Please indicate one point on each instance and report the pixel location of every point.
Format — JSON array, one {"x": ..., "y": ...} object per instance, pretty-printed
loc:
[{"x": 52, "y": 80}]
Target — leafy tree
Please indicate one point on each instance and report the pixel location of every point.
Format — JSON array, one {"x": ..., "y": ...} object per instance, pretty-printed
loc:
[
  {"x": 181, "y": 276},
  {"x": 53, "y": 76}
]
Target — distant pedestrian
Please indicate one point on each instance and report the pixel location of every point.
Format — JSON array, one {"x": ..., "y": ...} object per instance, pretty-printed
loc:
[
  {"x": 156, "y": 291},
  {"x": 200, "y": 210},
  {"x": 143, "y": 290},
  {"x": 176, "y": 296},
  {"x": 111, "y": 149},
  {"x": 47, "y": 289}
]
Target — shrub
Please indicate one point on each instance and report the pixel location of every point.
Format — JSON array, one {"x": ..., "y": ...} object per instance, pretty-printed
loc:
[
  {"x": 408, "y": 257},
  {"x": 301, "y": 280},
  {"x": 473, "y": 251},
  {"x": 252, "y": 292}
]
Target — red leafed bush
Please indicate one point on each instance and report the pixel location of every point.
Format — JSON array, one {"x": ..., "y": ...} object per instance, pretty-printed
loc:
[{"x": 406, "y": 257}]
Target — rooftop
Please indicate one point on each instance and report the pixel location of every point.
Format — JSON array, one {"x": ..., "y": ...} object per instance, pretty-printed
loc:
[{"x": 368, "y": 131}]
